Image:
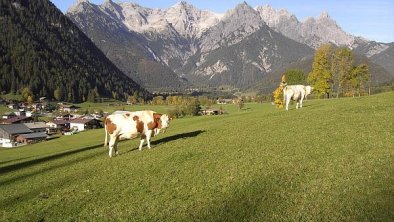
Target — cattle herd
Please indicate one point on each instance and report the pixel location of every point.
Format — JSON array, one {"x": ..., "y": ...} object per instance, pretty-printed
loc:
[{"x": 147, "y": 123}]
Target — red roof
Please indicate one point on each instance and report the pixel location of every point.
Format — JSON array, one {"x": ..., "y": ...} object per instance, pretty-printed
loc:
[
  {"x": 81, "y": 120},
  {"x": 16, "y": 119}
]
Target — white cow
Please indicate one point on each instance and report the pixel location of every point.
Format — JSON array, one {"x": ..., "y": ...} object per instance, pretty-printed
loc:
[
  {"x": 129, "y": 125},
  {"x": 296, "y": 93},
  {"x": 308, "y": 90}
]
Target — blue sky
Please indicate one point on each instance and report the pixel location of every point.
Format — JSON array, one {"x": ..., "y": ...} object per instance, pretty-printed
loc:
[{"x": 371, "y": 19}]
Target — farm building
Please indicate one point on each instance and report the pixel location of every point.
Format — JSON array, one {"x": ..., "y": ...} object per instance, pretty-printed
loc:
[
  {"x": 37, "y": 127},
  {"x": 209, "y": 112},
  {"x": 9, "y": 132},
  {"x": 9, "y": 115},
  {"x": 17, "y": 119},
  {"x": 68, "y": 108},
  {"x": 84, "y": 124},
  {"x": 29, "y": 138},
  {"x": 58, "y": 124}
]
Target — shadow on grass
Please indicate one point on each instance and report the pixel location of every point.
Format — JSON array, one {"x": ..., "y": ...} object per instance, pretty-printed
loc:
[
  {"x": 20, "y": 165},
  {"x": 177, "y": 137},
  {"x": 170, "y": 138},
  {"x": 14, "y": 160}
]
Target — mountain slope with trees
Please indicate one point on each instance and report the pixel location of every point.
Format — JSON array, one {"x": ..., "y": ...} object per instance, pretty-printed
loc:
[{"x": 41, "y": 49}]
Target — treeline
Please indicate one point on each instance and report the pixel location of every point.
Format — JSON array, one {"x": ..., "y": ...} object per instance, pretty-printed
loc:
[
  {"x": 183, "y": 105},
  {"x": 42, "y": 50},
  {"x": 334, "y": 73}
]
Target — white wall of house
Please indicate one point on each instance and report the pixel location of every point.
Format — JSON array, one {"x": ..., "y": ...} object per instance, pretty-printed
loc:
[
  {"x": 79, "y": 126},
  {"x": 5, "y": 142}
]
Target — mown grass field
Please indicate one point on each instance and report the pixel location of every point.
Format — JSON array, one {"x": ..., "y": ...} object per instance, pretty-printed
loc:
[{"x": 330, "y": 161}]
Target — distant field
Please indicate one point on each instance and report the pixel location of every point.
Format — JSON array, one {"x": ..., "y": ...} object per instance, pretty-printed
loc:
[{"x": 329, "y": 161}]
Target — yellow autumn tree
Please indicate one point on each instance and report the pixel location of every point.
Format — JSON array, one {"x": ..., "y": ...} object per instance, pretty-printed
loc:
[{"x": 278, "y": 93}]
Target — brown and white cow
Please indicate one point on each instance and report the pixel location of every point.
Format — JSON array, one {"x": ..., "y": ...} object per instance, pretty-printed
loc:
[{"x": 129, "y": 125}]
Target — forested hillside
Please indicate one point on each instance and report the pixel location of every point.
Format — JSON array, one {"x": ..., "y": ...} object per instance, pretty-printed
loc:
[{"x": 43, "y": 50}]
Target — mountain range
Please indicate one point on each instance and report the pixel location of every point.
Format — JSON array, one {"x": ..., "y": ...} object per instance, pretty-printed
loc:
[{"x": 183, "y": 45}]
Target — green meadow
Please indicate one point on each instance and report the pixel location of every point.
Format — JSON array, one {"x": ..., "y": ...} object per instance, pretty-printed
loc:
[{"x": 332, "y": 160}]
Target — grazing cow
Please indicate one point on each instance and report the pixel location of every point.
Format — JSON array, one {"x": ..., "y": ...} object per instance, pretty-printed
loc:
[
  {"x": 308, "y": 90},
  {"x": 295, "y": 92},
  {"x": 129, "y": 125}
]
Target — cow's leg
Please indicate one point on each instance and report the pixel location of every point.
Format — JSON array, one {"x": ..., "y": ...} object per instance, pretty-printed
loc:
[
  {"x": 116, "y": 147},
  {"x": 112, "y": 142},
  {"x": 297, "y": 104},
  {"x": 302, "y": 99},
  {"x": 148, "y": 136},
  {"x": 287, "y": 103},
  {"x": 142, "y": 141}
]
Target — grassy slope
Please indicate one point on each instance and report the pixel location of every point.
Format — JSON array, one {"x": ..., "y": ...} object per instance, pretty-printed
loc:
[{"x": 332, "y": 160}]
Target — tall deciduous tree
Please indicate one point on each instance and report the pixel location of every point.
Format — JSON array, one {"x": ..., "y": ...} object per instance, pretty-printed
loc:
[
  {"x": 295, "y": 77},
  {"x": 321, "y": 76},
  {"x": 58, "y": 94},
  {"x": 26, "y": 92},
  {"x": 342, "y": 64},
  {"x": 360, "y": 77}
]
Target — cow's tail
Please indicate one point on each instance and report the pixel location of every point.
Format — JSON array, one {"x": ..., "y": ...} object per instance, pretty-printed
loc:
[{"x": 106, "y": 133}]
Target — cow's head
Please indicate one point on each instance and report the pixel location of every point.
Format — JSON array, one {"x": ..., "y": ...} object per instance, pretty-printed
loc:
[
  {"x": 308, "y": 90},
  {"x": 165, "y": 121},
  {"x": 162, "y": 122}
]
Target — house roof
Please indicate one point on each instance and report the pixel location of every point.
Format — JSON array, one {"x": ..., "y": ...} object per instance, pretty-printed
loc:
[
  {"x": 16, "y": 119},
  {"x": 59, "y": 121},
  {"x": 15, "y": 128},
  {"x": 36, "y": 125},
  {"x": 81, "y": 120},
  {"x": 34, "y": 135}
]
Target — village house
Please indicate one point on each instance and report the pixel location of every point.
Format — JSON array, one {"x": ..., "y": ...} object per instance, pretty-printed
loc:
[
  {"x": 13, "y": 106},
  {"x": 9, "y": 132},
  {"x": 68, "y": 108},
  {"x": 8, "y": 115},
  {"x": 67, "y": 116},
  {"x": 37, "y": 127},
  {"x": 57, "y": 125},
  {"x": 209, "y": 112},
  {"x": 30, "y": 138},
  {"x": 17, "y": 119},
  {"x": 84, "y": 124},
  {"x": 37, "y": 106}
]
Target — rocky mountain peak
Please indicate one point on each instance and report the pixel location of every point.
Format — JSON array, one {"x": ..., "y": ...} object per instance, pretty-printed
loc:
[
  {"x": 241, "y": 9},
  {"x": 182, "y": 5},
  {"x": 323, "y": 16},
  {"x": 243, "y": 13},
  {"x": 273, "y": 17},
  {"x": 112, "y": 8},
  {"x": 78, "y": 6}
]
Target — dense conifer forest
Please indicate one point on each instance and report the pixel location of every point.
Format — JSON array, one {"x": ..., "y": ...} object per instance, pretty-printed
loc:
[{"x": 41, "y": 49}]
